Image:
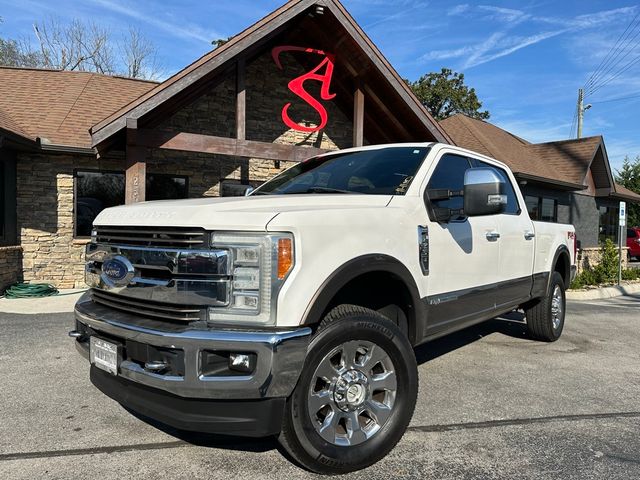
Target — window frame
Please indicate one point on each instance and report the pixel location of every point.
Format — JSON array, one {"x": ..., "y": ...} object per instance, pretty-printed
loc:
[{"x": 110, "y": 172}]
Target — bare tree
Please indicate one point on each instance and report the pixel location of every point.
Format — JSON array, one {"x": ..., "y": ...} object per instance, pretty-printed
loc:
[
  {"x": 140, "y": 56},
  {"x": 83, "y": 46},
  {"x": 76, "y": 46}
]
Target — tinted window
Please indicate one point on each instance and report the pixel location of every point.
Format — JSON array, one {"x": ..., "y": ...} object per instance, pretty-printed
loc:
[
  {"x": 387, "y": 171},
  {"x": 512, "y": 207},
  {"x": 449, "y": 175},
  {"x": 96, "y": 191},
  {"x": 631, "y": 233},
  {"x": 166, "y": 187},
  {"x": 532, "y": 207},
  {"x": 548, "y": 210},
  {"x": 2, "y": 202}
]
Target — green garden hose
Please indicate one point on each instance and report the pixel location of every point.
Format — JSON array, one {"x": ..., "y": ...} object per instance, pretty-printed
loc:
[{"x": 30, "y": 290}]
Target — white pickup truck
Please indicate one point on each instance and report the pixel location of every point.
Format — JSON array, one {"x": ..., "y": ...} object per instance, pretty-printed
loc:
[{"x": 294, "y": 311}]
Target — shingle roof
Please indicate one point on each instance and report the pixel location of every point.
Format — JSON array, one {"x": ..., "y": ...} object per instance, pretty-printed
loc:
[
  {"x": 59, "y": 107},
  {"x": 625, "y": 193},
  {"x": 567, "y": 161}
]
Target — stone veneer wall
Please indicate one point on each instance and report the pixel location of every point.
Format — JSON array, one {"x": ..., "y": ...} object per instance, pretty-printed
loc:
[
  {"x": 45, "y": 216},
  {"x": 590, "y": 257},
  {"x": 10, "y": 266}
]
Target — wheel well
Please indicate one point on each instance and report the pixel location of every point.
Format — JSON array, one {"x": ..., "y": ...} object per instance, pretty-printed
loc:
[
  {"x": 383, "y": 292},
  {"x": 563, "y": 267}
]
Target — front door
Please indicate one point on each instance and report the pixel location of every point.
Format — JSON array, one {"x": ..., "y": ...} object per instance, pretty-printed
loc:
[{"x": 464, "y": 255}]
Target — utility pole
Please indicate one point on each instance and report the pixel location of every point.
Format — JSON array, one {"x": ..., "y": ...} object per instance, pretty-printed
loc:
[{"x": 581, "y": 109}]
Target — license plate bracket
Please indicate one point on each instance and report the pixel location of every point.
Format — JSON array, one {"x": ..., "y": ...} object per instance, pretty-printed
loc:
[{"x": 104, "y": 354}]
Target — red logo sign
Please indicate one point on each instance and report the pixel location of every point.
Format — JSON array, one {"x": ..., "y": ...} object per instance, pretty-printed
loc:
[{"x": 297, "y": 86}]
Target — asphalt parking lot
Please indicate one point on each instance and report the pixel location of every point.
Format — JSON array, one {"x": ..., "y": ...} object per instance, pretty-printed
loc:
[{"x": 492, "y": 404}]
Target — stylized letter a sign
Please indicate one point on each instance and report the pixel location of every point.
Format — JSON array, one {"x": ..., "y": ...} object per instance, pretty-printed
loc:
[{"x": 297, "y": 86}]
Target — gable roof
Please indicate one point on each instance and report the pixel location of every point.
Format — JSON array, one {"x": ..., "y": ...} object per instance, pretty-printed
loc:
[
  {"x": 54, "y": 107},
  {"x": 259, "y": 32},
  {"x": 564, "y": 162}
]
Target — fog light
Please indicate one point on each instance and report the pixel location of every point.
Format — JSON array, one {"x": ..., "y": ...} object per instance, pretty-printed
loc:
[{"x": 241, "y": 362}]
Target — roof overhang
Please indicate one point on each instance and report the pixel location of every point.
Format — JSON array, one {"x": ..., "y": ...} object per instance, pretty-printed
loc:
[{"x": 553, "y": 183}]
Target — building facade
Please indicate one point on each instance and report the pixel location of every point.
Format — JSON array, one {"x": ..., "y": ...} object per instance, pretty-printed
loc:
[{"x": 304, "y": 80}]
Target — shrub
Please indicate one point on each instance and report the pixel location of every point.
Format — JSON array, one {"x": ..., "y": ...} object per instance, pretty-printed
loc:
[{"x": 606, "y": 272}]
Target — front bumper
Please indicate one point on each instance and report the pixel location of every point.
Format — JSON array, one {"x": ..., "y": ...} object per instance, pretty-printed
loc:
[{"x": 279, "y": 355}]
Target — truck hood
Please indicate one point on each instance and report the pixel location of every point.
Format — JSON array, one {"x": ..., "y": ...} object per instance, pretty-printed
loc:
[{"x": 231, "y": 213}]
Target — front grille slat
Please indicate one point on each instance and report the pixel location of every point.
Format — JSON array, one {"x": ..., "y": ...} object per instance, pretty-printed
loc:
[
  {"x": 167, "y": 237},
  {"x": 148, "y": 308}
]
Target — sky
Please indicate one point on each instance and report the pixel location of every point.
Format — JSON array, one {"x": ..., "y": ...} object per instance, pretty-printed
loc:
[{"x": 526, "y": 59}]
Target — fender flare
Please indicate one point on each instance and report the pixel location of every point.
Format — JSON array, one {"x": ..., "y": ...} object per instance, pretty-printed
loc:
[
  {"x": 360, "y": 266},
  {"x": 562, "y": 249}
]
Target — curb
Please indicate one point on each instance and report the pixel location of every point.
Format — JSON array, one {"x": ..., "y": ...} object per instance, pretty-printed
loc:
[{"x": 605, "y": 292}]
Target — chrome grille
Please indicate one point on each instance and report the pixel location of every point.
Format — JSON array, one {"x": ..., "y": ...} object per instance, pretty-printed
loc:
[
  {"x": 167, "y": 237},
  {"x": 149, "y": 308}
]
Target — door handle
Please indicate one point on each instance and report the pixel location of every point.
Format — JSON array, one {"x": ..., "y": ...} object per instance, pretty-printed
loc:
[
  {"x": 491, "y": 236},
  {"x": 528, "y": 235}
]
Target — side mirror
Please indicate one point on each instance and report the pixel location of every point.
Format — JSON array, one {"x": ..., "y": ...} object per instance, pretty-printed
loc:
[{"x": 483, "y": 192}]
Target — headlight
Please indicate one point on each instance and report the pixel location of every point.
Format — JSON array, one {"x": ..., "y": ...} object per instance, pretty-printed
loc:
[{"x": 260, "y": 263}]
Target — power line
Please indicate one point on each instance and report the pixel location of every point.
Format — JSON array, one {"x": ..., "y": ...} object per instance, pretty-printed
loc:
[
  {"x": 602, "y": 79},
  {"x": 573, "y": 122},
  {"x": 617, "y": 99},
  {"x": 609, "y": 56},
  {"x": 617, "y": 74}
]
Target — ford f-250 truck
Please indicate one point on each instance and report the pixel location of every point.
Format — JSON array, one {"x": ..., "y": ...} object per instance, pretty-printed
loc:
[{"x": 294, "y": 311}]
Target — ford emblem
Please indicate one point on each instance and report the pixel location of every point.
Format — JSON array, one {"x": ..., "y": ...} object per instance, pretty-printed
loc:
[{"x": 117, "y": 271}]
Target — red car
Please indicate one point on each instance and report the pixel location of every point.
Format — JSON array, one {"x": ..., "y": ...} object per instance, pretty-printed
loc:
[{"x": 633, "y": 242}]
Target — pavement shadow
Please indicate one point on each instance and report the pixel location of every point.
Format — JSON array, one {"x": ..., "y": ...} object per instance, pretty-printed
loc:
[
  {"x": 210, "y": 440},
  {"x": 512, "y": 324}
]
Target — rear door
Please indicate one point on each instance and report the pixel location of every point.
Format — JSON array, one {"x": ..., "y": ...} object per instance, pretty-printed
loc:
[
  {"x": 464, "y": 255},
  {"x": 517, "y": 244}
]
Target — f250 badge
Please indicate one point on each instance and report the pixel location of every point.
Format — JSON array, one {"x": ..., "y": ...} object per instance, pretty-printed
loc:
[{"x": 297, "y": 86}]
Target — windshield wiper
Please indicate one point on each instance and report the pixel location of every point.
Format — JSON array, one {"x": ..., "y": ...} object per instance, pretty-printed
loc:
[{"x": 326, "y": 190}]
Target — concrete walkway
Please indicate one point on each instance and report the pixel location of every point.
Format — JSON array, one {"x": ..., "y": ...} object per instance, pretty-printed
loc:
[
  {"x": 61, "y": 303},
  {"x": 604, "y": 292}
]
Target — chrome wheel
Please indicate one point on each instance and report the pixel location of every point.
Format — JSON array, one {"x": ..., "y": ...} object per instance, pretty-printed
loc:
[
  {"x": 352, "y": 393},
  {"x": 556, "y": 307}
]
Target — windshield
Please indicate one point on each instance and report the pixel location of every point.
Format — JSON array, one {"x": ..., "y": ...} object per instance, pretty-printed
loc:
[{"x": 386, "y": 171}]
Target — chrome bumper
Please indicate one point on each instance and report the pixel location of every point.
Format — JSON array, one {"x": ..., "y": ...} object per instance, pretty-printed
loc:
[{"x": 279, "y": 357}]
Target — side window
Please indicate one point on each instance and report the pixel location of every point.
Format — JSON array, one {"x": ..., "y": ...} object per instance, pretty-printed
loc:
[
  {"x": 512, "y": 207},
  {"x": 449, "y": 174}
]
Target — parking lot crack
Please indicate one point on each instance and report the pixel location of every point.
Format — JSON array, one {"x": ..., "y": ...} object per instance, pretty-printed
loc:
[
  {"x": 92, "y": 450},
  {"x": 522, "y": 421}
]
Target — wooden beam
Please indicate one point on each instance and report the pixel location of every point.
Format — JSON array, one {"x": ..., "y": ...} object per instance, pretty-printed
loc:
[
  {"x": 136, "y": 167},
  {"x": 193, "y": 142},
  {"x": 372, "y": 95},
  {"x": 241, "y": 100},
  {"x": 358, "y": 117}
]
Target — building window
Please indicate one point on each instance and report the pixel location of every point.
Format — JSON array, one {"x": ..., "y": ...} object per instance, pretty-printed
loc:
[
  {"x": 608, "y": 224},
  {"x": 97, "y": 190},
  {"x": 8, "y": 223},
  {"x": 533, "y": 206},
  {"x": 549, "y": 210},
  {"x": 543, "y": 209}
]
